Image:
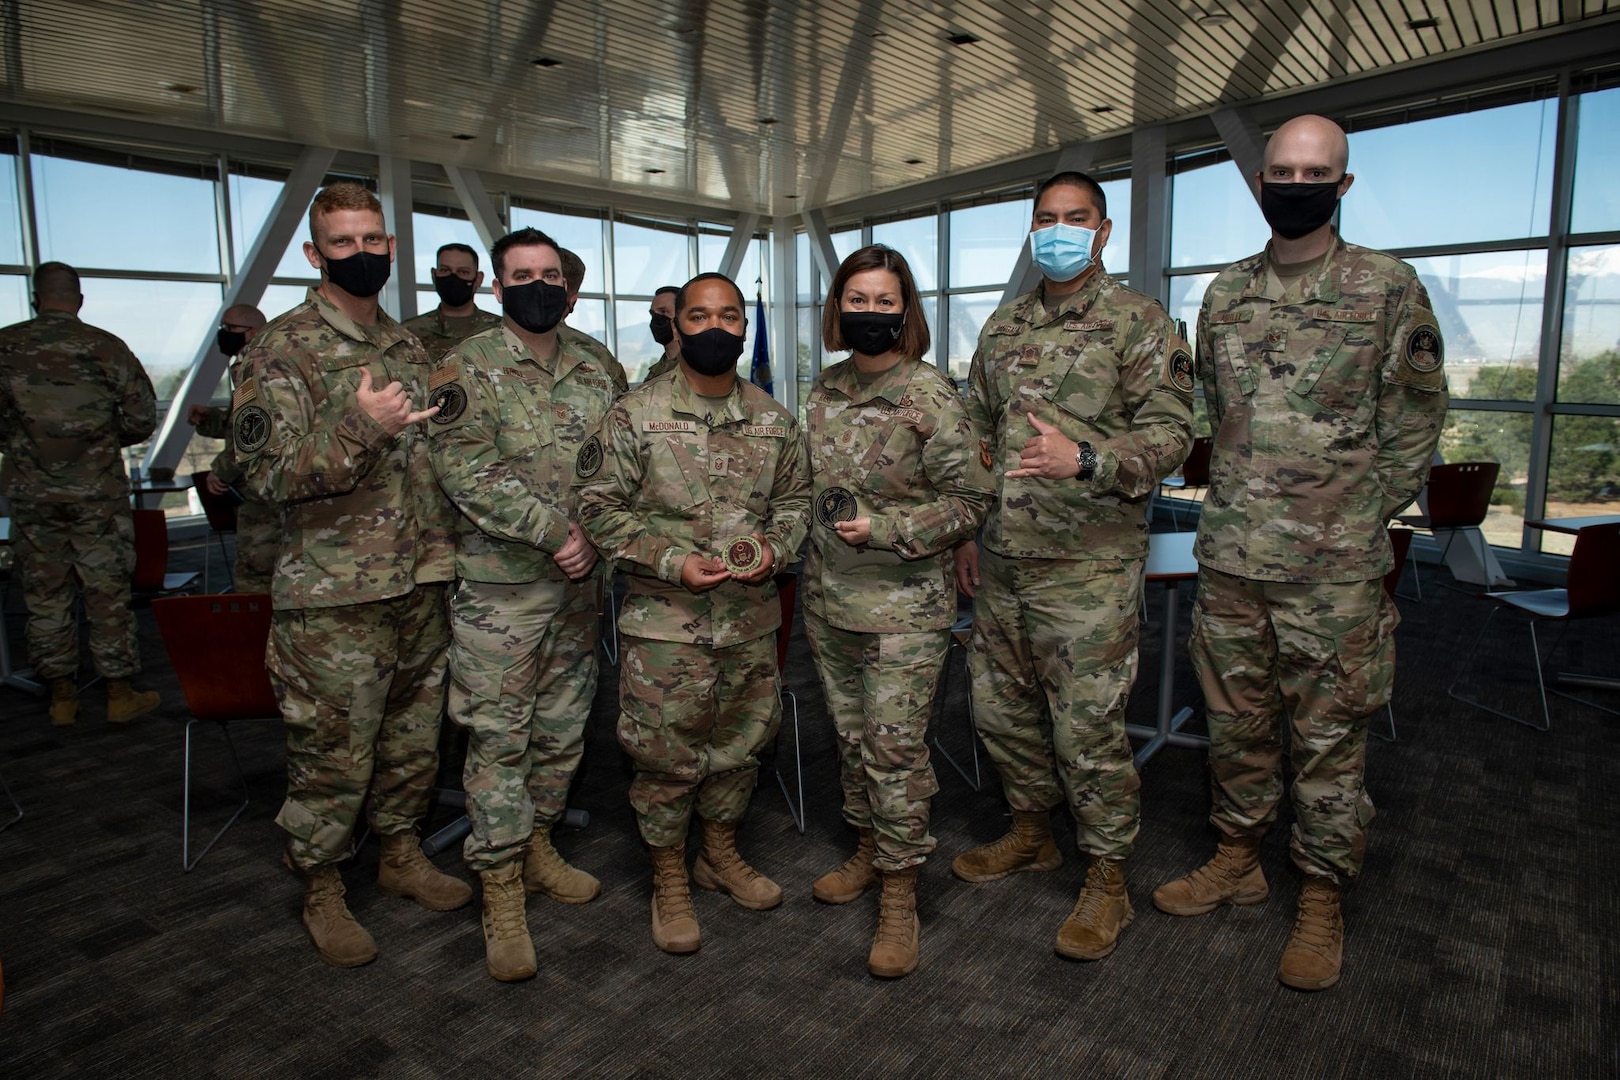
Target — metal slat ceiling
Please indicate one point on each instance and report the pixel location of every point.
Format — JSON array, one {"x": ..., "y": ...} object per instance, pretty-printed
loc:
[{"x": 668, "y": 98}]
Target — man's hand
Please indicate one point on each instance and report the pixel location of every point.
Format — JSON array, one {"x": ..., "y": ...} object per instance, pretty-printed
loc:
[
  {"x": 699, "y": 574},
  {"x": 391, "y": 406},
  {"x": 577, "y": 556},
  {"x": 967, "y": 567},
  {"x": 763, "y": 570},
  {"x": 1047, "y": 453},
  {"x": 854, "y": 533},
  {"x": 196, "y": 414},
  {"x": 216, "y": 486}
]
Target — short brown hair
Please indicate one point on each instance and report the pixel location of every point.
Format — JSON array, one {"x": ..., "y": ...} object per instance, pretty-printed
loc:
[
  {"x": 914, "y": 338},
  {"x": 343, "y": 195},
  {"x": 573, "y": 268},
  {"x": 524, "y": 237}
]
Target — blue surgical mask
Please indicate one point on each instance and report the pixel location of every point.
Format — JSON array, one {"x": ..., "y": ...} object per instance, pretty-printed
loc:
[{"x": 1062, "y": 251}]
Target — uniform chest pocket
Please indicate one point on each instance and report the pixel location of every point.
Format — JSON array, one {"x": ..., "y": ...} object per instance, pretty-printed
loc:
[
  {"x": 742, "y": 469},
  {"x": 1235, "y": 378},
  {"x": 1085, "y": 387},
  {"x": 1339, "y": 371}
]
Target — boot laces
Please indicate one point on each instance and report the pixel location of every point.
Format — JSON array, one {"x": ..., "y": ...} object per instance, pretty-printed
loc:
[
  {"x": 1094, "y": 895},
  {"x": 893, "y": 918},
  {"x": 506, "y": 910},
  {"x": 673, "y": 893},
  {"x": 1315, "y": 922}
]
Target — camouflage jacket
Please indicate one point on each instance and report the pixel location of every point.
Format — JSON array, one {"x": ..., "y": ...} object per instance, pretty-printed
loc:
[
  {"x": 362, "y": 518},
  {"x": 603, "y": 355},
  {"x": 672, "y": 475},
  {"x": 71, "y": 398},
  {"x": 1106, "y": 366},
  {"x": 216, "y": 424},
  {"x": 903, "y": 446},
  {"x": 439, "y": 335},
  {"x": 503, "y": 446},
  {"x": 660, "y": 366},
  {"x": 1326, "y": 402}
]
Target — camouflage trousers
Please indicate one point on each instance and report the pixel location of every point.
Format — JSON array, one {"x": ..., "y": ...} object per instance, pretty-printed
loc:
[
  {"x": 693, "y": 719},
  {"x": 1053, "y": 660},
  {"x": 522, "y": 678},
  {"x": 258, "y": 542},
  {"x": 880, "y": 693},
  {"x": 362, "y": 694},
  {"x": 65, "y": 549},
  {"x": 1314, "y": 660}
]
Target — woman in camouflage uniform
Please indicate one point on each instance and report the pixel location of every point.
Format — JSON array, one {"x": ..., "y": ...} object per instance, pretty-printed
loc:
[{"x": 898, "y": 480}]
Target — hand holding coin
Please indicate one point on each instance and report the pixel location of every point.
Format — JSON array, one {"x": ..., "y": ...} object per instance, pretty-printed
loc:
[
  {"x": 854, "y": 533},
  {"x": 749, "y": 558}
]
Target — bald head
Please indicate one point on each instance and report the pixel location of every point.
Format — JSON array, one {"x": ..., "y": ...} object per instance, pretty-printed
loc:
[
  {"x": 244, "y": 317},
  {"x": 1312, "y": 149},
  {"x": 56, "y": 288}
]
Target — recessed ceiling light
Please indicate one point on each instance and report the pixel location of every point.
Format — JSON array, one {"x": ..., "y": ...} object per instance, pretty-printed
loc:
[
  {"x": 463, "y": 137},
  {"x": 1102, "y": 108},
  {"x": 181, "y": 88},
  {"x": 1423, "y": 24},
  {"x": 1214, "y": 19},
  {"x": 767, "y": 121},
  {"x": 790, "y": 196},
  {"x": 654, "y": 172},
  {"x": 880, "y": 33},
  {"x": 546, "y": 62},
  {"x": 913, "y": 161},
  {"x": 963, "y": 38}
]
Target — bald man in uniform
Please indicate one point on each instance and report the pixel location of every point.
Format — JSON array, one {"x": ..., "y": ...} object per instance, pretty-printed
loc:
[{"x": 1322, "y": 368}]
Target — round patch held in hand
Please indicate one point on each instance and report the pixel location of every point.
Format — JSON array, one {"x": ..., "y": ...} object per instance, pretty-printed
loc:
[
  {"x": 252, "y": 429},
  {"x": 452, "y": 402},
  {"x": 743, "y": 554},
  {"x": 834, "y": 505}
]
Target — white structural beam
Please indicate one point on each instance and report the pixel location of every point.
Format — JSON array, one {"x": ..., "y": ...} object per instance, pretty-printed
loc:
[
  {"x": 821, "y": 245},
  {"x": 783, "y": 314},
  {"x": 1076, "y": 157},
  {"x": 479, "y": 206},
  {"x": 742, "y": 234},
  {"x": 394, "y": 191},
  {"x": 279, "y": 228},
  {"x": 1244, "y": 142},
  {"x": 1150, "y": 211}
]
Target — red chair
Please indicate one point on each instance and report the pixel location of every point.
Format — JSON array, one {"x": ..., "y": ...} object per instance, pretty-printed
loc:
[
  {"x": 220, "y": 510},
  {"x": 1592, "y": 588},
  {"x": 152, "y": 577},
  {"x": 787, "y": 593},
  {"x": 1194, "y": 474},
  {"x": 1459, "y": 497},
  {"x": 217, "y": 645}
]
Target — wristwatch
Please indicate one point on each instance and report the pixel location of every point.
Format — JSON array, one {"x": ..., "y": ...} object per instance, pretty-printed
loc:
[{"x": 1086, "y": 458}]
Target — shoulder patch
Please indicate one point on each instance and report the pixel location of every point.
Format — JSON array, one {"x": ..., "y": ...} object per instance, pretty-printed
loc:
[
  {"x": 589, "y": 461},
  {"x": 447, "y": 373},
  {"x": 251, "y": 429},
  {"x": 1424, "y": 350},
  {"x": 451, "y": 400},
  {"x": 1181, "y": 370},
  {"x": 245, "y": 394}
]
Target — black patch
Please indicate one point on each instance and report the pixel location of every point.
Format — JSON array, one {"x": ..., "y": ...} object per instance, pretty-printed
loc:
[
  {"x": 589, "y": 461},
  {"x": 834, "y": 505},
  {"x": 1424, "y": 350},
  {"x": 252, "y": 429},
  {"x": 1181, "y": 370},
  {"x": 452, "y": 402}
]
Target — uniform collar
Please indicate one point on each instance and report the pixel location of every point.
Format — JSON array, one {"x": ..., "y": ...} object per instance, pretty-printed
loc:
[
  {"x": 1037, "y": 312},
  {"x": 385, "y": 335},
  {"x": 890, "y": 385},
  {"x": 1262, "y": 282},
  {"x": 685, "y": 400},
  {"x": 567, "y": 359}
]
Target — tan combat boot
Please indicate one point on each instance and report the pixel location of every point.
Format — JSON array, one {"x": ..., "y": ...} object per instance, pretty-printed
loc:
[
  {"x": 64, "y": 702},
  {"x": 1103, "y": 910},
  {"x": 125, "y": 703},
  {"x": 849, "y": 881},
  {"x": 894, "y": 946},
  {"x": 1233, "y": 876},
  {"x": 405, "y": 872},
  {"x": 674, "y": 923},
  {"x": 340, "y": 940},
  {"x": 1026, "y": 846},
  {"x": 720, "y": 869},
  {"x": 1315, "y": 950},
  {"x": 508, "y": 949},
  {"x": 546, "y": 871}
]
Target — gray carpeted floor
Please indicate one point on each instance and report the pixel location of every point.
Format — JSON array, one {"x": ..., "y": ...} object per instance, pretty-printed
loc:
[{"x": 1481, "y": 936}]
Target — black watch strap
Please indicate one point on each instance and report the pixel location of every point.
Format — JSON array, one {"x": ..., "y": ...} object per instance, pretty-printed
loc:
[{"x": 1086, "y": 459}]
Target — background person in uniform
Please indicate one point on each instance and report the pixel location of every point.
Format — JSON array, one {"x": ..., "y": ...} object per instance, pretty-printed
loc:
[
  {"x": 573, "y": 268},
  {"x": 456, "y": 278},
  {"x": 1322, "y": 369},
  {"x": 515, "y": 405},
  {"x": 71, "y": 398},
  {"x": 662, "y": 325},
  {"x": 258, "y": 524},
  {"x": 897, "y": 483},
  {"x": 327, "y": 430},
  {"x": 1084, "y": 390},
  {"x": 686, "y": 470}
]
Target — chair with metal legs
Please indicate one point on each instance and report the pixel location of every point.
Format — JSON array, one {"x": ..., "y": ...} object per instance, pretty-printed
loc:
[
  {"x": 220, "y": 510},
  {"x": 1592, "y": 588},
  {"x": 787, "y": 589},
  {"x": 1459, "y": 497}
]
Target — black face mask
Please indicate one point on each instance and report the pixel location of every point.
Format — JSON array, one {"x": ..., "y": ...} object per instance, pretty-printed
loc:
[
  {"x": 663, "y": 328},
  {"x": 1293, "y": 210},
  {"x": 537, "y": 306},
  {"x": 453, "y": 291},
  {"x": 362, "y": 274},
  {"x": 713, "y": 352},
  {"x": 870, "y": 333},
  {"x": 231, "y": 342}
]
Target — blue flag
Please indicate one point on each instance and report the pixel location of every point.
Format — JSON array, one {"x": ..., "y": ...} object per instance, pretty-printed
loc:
[{"x": 760, "y": 372}]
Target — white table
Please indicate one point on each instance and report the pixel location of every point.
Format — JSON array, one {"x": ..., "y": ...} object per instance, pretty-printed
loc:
[{"x": 1170, "y": 562}]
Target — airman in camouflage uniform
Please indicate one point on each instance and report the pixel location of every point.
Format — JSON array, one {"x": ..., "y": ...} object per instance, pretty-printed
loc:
[
  {"x": 456, "y": 278},
  {"x": 325, "y": 428},
  {"x": 686, "y": 469},
  {"x": 574, "y": 275},
  {"x": 258, "y": 524},
  {"x": 71, "y": 397},
  {"x": 1084, "y": 389},
  {"x": 518, "y": 404},
  {"x": 898, "y": 482},
  {"x": 662, "y": 324},
  {"x": 1322, "y": 369}
]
